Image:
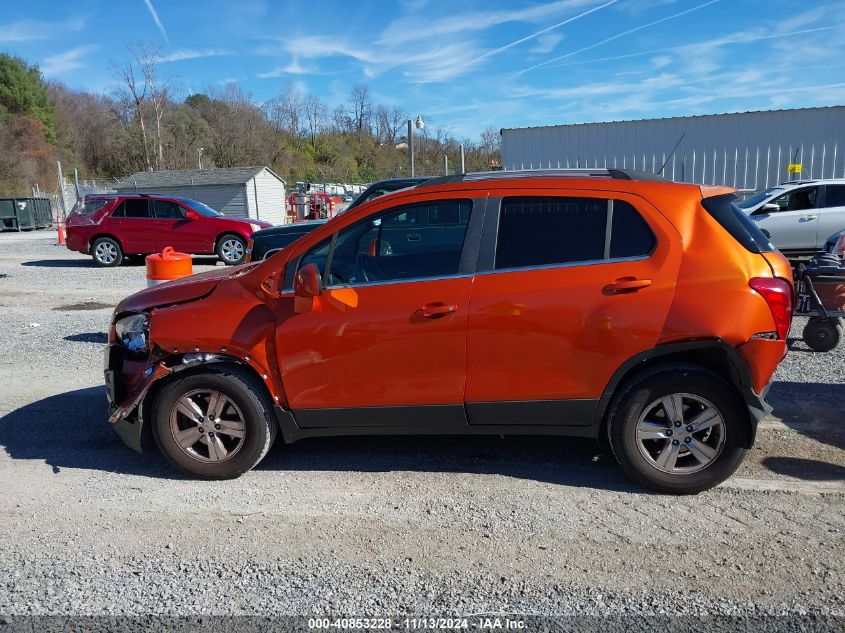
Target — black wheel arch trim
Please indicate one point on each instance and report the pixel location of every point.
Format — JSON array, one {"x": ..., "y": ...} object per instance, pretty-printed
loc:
[{"x": 740, "y": 378}]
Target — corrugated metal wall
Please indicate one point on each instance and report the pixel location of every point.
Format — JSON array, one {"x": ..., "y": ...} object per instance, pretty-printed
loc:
[
  {"x": 748, "y": 150},
  {"x": 266, "y": 198}
]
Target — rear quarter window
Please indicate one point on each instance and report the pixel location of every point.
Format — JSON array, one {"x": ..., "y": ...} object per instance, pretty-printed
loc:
[{"x": 735, "y": 221}]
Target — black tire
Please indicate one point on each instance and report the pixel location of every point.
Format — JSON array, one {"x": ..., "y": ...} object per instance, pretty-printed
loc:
[
  {"x": 249, "y": 396},
  {"x": 106, "y": 252},
  {"x": 823, "y": 335},
  {"x": 230, "y": 245},
  {"x": 639, "y": 395}
]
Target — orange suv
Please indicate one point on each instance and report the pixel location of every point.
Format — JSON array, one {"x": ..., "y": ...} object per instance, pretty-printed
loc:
[{"x": 592, "y": 303}]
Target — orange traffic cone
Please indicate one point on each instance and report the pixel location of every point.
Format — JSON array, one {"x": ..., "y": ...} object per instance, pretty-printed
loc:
[{"x": 61, "y": 229}]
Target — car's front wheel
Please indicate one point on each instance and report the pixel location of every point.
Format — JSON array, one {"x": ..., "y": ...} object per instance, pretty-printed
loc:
[
  {"x": 677, "y": 429},
  {"x": 214, "y": 424},
  {"x": 106, "y": 251},
  {"x": 231, "y": 249}
]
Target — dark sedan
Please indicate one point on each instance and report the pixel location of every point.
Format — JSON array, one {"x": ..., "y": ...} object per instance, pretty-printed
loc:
[{"x": 269, "y": 241}]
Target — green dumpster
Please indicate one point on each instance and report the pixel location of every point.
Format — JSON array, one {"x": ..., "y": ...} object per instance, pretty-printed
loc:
[
  {"x": 25, "y": 211},
  {"x": 43, "y": 213},
  {"x": 8, "y": 214}
]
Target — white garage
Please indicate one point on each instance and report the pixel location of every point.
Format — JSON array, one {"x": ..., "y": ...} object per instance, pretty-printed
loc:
[{"x": 255, "y": 192}]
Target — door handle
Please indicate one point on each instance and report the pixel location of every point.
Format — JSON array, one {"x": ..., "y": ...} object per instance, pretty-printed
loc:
[
  {"x": 808, "y": 217},
  {"x": 434, "y": 311},
  {"x": 625, "y": 285},
  {"x": 414, "y": 237}
]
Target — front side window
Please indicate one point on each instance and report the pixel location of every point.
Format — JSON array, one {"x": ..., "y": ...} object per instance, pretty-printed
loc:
[
  {"x": 164, "y": 209},
  {"x": 398, "y": 244},
  {"x": 797, "y": 200},
  {"x": 544, "y": 231}
]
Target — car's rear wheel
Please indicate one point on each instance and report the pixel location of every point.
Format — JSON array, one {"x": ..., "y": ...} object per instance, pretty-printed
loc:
[
  {"x": 677, "y": 429},
  {"x": 231, "y": 249},
  {"x": 214, "y": 424},
  {"x": 106, "y": 251}
]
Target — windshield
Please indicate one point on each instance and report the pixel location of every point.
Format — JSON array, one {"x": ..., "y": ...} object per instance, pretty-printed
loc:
[
  {"x": 757, "y": 198},
  {"x": 202, "y": 209},
  {"x": 87, "y": 207}
]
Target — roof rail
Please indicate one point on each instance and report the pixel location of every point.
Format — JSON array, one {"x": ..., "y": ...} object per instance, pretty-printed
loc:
[{"x": 617, "y": 174}]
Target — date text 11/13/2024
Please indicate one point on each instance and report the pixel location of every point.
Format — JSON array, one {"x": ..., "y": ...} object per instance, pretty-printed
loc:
[{"x": 458, "y": 623}]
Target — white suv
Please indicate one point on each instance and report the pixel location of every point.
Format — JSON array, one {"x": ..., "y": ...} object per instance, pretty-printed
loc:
[{"x": 798, "y": 216}]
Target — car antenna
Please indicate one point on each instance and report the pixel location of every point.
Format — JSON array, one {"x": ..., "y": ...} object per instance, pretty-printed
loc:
[{"x": 666, "y": 162}]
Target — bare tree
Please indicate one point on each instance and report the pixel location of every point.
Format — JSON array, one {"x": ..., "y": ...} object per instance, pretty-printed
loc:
[
  {"x": 398, "y": 118},
  {"x": 286, "y": 110},
  {"x": 147, "y": 62},
  {"x": 341, "y": 121},
  {"x": 315, "y": 114},
  {"x": 361, "y": 110},
  {"x": 133, "y": 95},
  {"x": 490, "y": 142}
]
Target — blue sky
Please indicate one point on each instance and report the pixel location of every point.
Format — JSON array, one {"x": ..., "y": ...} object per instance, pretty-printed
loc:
[{"x": 463, "y": 65}]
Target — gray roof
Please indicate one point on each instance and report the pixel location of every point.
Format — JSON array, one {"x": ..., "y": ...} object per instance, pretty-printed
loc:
[{"x": 188, "y": 177}]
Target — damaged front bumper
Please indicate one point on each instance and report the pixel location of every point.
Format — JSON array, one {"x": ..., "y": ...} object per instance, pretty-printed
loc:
[
  {"x": 129, "y": 380},
  {"x": 127, "y": 383}
]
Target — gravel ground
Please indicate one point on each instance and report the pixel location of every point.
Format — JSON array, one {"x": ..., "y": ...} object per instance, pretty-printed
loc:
[{"x": 388, "y": 526}]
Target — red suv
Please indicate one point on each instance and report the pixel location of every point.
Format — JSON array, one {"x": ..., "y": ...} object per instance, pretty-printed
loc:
[
  {"x": 110, "y": 227},
  {"x": 597, "y": 303}
]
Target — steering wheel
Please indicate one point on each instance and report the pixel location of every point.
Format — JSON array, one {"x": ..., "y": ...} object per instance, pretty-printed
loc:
[{"x": 368, "y": 267}]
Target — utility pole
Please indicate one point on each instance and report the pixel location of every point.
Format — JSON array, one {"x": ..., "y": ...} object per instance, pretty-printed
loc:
[
  {"x": 463, "y": 160},
  {"x": 420, "y": 124},
  {"x": 200, "y": 150},
  {"x": 445, "y": 165},
  {"x": 61, "y": 190},
  {"x": 411, "y": 147}
]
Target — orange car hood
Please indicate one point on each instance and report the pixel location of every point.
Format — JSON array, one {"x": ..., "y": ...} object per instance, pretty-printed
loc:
[{"x": 180, "y": 290}]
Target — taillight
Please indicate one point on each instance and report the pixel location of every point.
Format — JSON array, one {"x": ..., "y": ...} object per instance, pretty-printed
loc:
[{"x": 778, "y": 294}]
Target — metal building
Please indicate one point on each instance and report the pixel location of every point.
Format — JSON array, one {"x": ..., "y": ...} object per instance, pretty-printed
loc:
[
  {"x": 747, "y": 150},
  {"x": 255, "y": 192}
]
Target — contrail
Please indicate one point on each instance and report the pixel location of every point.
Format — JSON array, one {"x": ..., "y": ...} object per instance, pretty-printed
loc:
[
  {"x": 156, "y": 19},
  {"x": 538, "y": 33},
  {"x": 614, "y": 37},
  {"x": 717, "y": 42}
]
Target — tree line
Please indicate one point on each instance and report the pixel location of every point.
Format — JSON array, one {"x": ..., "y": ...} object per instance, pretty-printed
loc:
[{"x": 144, "y": 125}]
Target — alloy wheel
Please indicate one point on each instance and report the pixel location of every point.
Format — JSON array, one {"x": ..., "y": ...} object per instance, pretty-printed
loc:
[
  {"x": 680, "y": 433},
  {"x": 232, "y": 250},
  {"x": 207, "y": 425},
  {"x": 105, "y": 252}
]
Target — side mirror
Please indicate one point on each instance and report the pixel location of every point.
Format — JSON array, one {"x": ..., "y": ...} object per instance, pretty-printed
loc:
[
  {"x": 192, "y": 215},
  {"x": 769, "y": 207},
  {"x": 307, "y": 282}
]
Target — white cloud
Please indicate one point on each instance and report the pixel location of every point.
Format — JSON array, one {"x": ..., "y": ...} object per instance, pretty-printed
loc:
[
  {"x": 32, "y": 30},
  {"x": 292, "y": 68},
  {"x": 61, "y": 63},
  {"x": 661, "y": 61},
  {"x": 181, "y": 55},
  {"x": 546, "y": 43}
]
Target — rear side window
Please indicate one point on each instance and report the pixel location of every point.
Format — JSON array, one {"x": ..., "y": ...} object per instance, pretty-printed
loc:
[
  {"x": 89, "y": 207},
  {"x": 834, "y": 196},
  {"x": 734, "y": 220},
  {"x": 631, "y": 236},
  {"x": 132, "y": 208},
  {"x": 542, "y": 231}
]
